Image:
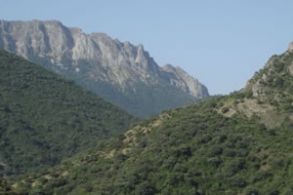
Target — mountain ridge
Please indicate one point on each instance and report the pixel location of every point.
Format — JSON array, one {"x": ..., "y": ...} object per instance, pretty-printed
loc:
[{"x": 114, "y": 70}]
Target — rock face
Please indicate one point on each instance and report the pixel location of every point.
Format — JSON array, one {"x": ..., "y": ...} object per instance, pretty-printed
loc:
[
  {"x": 274, "y": 79},
  {"x": 290, "y": 48},
  {"x": 272, "y": 89},
  {"x": 122, "y": 73}
]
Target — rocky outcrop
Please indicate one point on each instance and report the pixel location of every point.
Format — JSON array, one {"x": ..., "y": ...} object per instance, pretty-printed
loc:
[
  {"x": 122, "y": 73},
  {"x": 182, "y": 80},
  {"x": 290, "y": 48}
]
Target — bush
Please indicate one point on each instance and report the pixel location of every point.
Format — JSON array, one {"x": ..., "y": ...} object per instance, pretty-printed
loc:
[
  {"x": 225, "y": 110},
  {"x": 235, "y": 166},
  {"x": 145, "y": 188}
]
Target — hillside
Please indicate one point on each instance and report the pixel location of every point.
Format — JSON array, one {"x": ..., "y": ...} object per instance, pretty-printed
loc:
[
  {"x": 268, "y": 96},
  {"x": 45, "y": 118},
  {"x": 225, "y": 145},
  {"x": 122, "y": 73}
]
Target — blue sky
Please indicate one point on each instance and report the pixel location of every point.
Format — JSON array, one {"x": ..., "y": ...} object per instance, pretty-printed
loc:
[{"x": 222, "y": 43}]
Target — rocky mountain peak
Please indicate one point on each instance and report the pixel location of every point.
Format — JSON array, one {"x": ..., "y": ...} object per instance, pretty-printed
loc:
[
  {"x": 185, "y": 81},
  {"x": 123, "y": 73}
]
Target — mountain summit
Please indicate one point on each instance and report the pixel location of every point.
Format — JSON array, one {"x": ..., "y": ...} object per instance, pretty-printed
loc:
[{"x": 120, "y": 72}]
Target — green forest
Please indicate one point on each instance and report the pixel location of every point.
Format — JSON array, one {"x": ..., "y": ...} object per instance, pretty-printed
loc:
[
  {"x": 236, "y": 144},
  {"x": 45, "y": 118}
]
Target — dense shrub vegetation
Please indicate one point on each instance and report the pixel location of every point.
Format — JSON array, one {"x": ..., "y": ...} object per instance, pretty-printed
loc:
[
  {"x": 44, "y": 118},
  {"x": 194, "y": 150},
  {"x": 219, "y": 146}
]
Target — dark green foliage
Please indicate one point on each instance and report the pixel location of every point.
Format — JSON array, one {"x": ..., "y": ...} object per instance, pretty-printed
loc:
[
  {"x": 194, "y": 150},
  {"x": 44, "y": 118},
  {"x": 4, "y": 187},
  {"x": 224, "y": 156}
]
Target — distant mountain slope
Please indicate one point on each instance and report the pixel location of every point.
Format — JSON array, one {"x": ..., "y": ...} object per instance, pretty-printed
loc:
[
  {"x": 122, "y": 73},
  {"x": 45, "y": 118},
  {"x": 220, "y": 146}
]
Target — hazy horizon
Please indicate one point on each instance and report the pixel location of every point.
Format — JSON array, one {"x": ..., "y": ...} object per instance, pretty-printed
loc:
[{"x": 222, "y": 44}]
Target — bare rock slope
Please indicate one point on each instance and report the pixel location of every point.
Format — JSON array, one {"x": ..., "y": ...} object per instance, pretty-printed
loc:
[{"x": 120, "y": 72}]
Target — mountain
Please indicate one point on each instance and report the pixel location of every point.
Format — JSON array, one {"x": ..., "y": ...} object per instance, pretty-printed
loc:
[
  {"x": 45, "y": 118},
  {"x": 223, "y": 145},
  {"x": 269, "y": 92},
  {"x": 122, "y": 73}
]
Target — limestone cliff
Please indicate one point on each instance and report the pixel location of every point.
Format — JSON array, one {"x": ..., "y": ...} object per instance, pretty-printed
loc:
[{"x": 120, "y": 72}]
